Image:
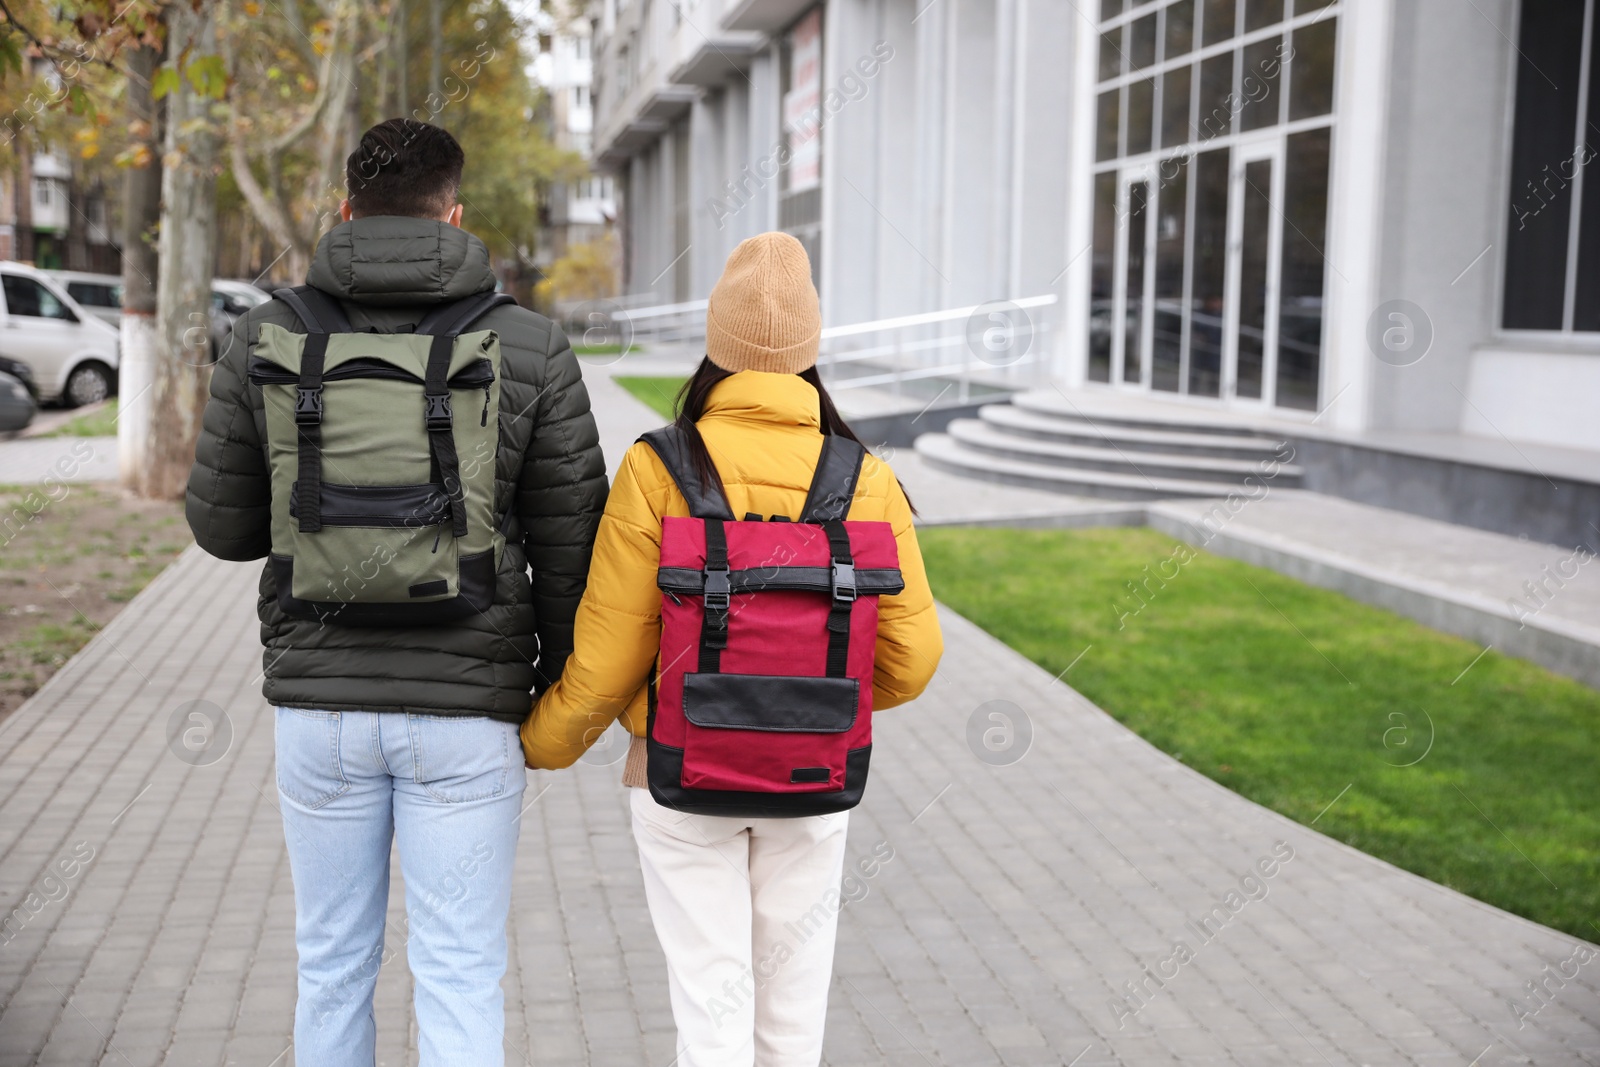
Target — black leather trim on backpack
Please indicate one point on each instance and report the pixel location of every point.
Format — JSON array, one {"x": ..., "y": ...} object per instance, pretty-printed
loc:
[
  {"x": 475, "y": 375},
  {"x": 317, "y": 311},
  {"x": 666, "y": 769},
  {"x": 833, "y": 486},
  {"x": 476, "y": 594},
  {"x": 378, "y": 506},
  {"x": 772, "y": 703},
  {"x": 870, "y": 581},
  {"x": 453, "y": 318},
  {"x": 705, "y": 502}
]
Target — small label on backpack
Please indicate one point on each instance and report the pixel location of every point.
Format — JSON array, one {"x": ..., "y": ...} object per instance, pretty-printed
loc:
[
  {"x": 438, "y": 588},
  {"x": 808, "y": 774}
]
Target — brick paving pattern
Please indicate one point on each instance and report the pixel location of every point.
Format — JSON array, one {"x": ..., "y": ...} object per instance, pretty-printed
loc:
[{"x": 1029, "y": 914}]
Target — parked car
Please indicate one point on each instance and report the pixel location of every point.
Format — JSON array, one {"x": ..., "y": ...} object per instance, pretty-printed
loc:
[
  {"x": 16, "y": 404},
  {"x": 245, "y": 294},
  {"x": 72, "y": 354},
  {"x": 22, "y": 373},
  {"x": 101, "y": 296}
]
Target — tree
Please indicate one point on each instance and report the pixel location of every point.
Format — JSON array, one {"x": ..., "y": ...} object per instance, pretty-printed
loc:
[
  {"x": 289, "y": 100},
  {"x": 298, "y": 98},
  {"x": 141, "y": 217},
  {"x": 160, "y": 429}
]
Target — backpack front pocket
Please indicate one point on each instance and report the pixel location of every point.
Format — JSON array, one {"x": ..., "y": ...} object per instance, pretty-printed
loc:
[{"x": 767, "y": 733}]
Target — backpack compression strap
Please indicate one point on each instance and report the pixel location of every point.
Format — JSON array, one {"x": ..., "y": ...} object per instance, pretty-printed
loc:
[
  {"x": 321, "y": 315},
  {"x": 445, "y": 323},
  {"x": 833, "y": 487}
]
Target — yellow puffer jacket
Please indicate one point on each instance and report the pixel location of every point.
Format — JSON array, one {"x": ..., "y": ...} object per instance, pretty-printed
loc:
[{"x": 763, "y": 433}]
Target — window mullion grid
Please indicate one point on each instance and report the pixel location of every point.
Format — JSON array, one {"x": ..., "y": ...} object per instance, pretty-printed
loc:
[
  {"x": 1575, "y": 212},
  {"x": 1196, "y": 55}
]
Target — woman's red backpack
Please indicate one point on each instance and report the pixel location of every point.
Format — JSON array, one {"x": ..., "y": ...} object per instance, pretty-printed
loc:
[{"x": 762, "y": 704}]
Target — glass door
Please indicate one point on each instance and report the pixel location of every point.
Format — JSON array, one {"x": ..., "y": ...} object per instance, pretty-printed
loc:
[
  {"x": 1255, "y": 220},
  {"x": 1132, "y": 340},
  {"x": 1213, "y": 126}
]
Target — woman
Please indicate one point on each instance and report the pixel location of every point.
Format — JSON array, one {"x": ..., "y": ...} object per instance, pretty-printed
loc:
[{"x": 735, "y": 898}]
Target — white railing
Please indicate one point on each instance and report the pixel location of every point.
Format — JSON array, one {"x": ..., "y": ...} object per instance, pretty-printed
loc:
[{"x": 996, "y": 345}]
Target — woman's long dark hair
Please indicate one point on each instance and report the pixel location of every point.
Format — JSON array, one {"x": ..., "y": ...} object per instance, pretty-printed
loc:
[{"x": 691, "y": 404}]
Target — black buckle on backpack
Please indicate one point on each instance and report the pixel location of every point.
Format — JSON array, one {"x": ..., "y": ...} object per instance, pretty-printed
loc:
[
  {"x": 844, "y": 582},
  {"x": 436, "y": 411},
  {"x": 719, "y": 590},
  {"x": 308, "y": 405}
]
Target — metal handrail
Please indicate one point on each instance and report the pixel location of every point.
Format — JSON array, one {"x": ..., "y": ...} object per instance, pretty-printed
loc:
[
  {"x": 909, "y": 348},
  {"x": 928, "y": 318}
]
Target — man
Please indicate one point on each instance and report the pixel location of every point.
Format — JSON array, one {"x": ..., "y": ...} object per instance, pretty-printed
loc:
[{"x": 406, "y": 733}]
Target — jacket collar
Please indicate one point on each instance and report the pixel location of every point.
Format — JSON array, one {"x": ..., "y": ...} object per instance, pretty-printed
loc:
[
  {"x": 394, "y": 260},
  {"x": 756, "y": 396}
]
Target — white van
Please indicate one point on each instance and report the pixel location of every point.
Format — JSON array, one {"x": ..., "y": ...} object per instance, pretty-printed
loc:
[
  {"x": 101, "y": 296},
  {"x": 73, "y": 354}
]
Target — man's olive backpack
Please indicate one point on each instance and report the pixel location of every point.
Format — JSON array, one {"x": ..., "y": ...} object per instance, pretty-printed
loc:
[{"x": 381, "y": 448}]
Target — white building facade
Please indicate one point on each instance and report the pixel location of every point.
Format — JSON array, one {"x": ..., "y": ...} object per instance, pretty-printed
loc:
[
  {"x": 584, "y": 210},
  {"x": 1375, "y": 214}
]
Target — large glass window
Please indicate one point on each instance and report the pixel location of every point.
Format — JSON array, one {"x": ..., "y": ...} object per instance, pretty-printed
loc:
[
  {"x": 1552, "y": 257},
  {"x": 1214, "y": 128}
]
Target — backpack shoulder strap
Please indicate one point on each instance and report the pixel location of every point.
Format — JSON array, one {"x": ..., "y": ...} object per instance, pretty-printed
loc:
[
  {"x": 321, "y": 315},
  {"x": 833, "y": 486},
  {"x": 705, "y": 502},
  {"x": 450, "y": 319},
  {"x": 317, "y": 311}
]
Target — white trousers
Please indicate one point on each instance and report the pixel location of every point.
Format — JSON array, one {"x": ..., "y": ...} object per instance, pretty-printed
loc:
[{"x": 746, "y": 911}]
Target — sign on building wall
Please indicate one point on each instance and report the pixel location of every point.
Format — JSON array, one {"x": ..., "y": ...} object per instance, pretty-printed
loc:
[{"x": 802, "y": 104}]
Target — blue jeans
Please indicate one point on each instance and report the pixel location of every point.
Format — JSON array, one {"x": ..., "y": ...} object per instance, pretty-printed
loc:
[{"x": 449, "y": 790}]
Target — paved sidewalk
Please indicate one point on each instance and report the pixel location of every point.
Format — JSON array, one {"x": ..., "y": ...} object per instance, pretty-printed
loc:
[
  {"x": 32, "y": 460},
  {"x": 1022, "y": 907},
  {"x": 1031, "y": 913}
]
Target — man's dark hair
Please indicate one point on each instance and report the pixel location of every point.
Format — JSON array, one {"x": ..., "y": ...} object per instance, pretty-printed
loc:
[{"x": 404, "y": 167}]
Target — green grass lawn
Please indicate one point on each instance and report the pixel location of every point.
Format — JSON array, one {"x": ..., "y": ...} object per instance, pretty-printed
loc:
[
  {"x": 612, "y": 349},
  {"x": 102, "y": 422},
  {"x": 1288, "y": 694},
  {"x": 660, "y": 393}
]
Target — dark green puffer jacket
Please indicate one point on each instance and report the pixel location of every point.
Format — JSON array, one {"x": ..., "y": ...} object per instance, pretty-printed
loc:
[{"x": 388, "y": 271}]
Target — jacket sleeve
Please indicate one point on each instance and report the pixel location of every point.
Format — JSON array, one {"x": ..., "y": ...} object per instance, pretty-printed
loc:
[
  {"x": 560, "y": 495},
  {"x": 229, "y": 499},
  {"x": 909, "y": 641},
  {"x": 618, "y": 627}
]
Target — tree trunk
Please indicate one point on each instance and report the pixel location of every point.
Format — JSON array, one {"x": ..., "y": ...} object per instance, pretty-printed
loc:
[
  {"x": 141, "y": 218},
  {"x": 402, "y": 61},
  {"x": 182, "y": 369},
  {"x": 24, "y": 241},
  {"x": 435, "y": 54}
]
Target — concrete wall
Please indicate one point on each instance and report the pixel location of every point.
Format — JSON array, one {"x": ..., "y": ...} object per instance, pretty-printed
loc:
[{"x": 1451, "y": 78}]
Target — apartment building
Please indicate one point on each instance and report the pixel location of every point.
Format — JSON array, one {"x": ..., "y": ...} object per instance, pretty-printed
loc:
[{"x": 585, "y": 210}]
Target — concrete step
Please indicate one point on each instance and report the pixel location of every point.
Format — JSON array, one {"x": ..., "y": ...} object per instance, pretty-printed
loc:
[
  {"x": 944, "y": 452},
  {"x": 1025, "y": 422},
  {"x": 1142, "y": 412},
  {"x": 995, "y": 439}
]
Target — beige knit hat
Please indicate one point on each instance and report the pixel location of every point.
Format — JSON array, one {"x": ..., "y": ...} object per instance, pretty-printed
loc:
[{"x": 763, "y": 313}]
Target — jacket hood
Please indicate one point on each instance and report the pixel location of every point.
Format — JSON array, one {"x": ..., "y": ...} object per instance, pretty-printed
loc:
[
  {"x": 753, "y": 395},
  {"x": 392, "y": 260}
]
